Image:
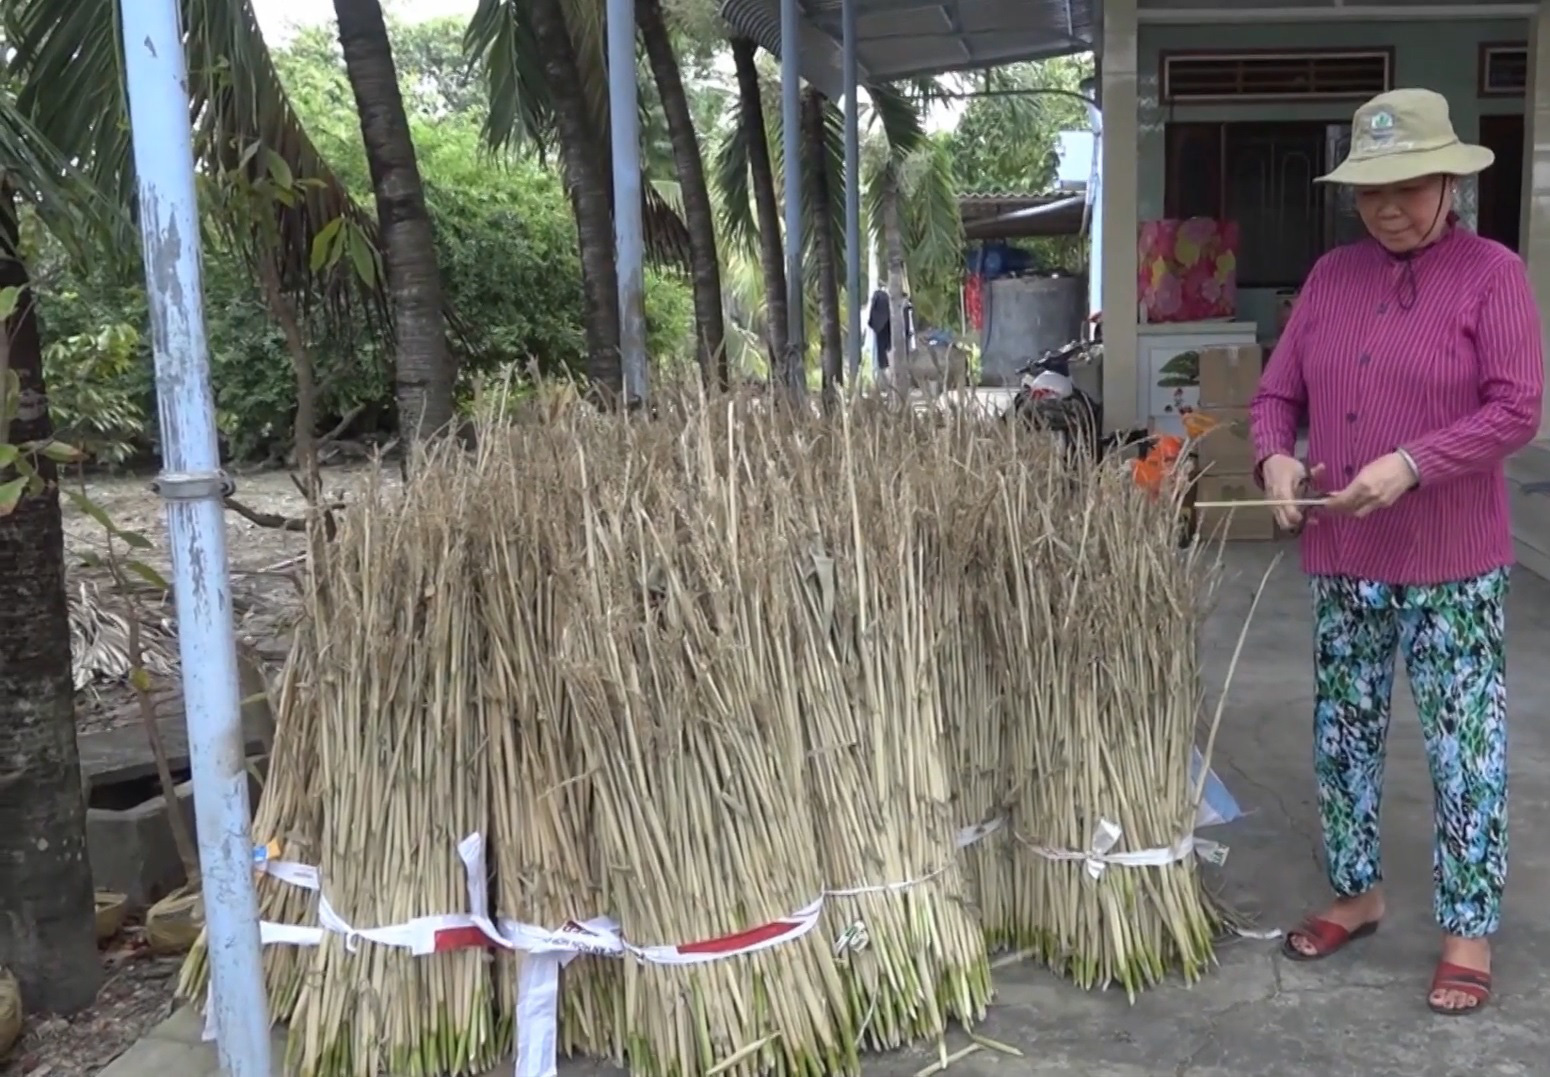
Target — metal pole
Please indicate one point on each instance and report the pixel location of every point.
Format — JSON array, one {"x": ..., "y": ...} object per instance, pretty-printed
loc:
[
  {"x": 791, "y": 132},
  {"x": 629, "y": 235},
  {"x": 192, "y": 485},
  {"x": 852, "y": 189},
  {"x": 1095, "y": 206}
]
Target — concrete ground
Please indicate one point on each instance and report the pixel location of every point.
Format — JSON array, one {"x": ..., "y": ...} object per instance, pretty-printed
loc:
[{"x": 1361, "y": 1013}]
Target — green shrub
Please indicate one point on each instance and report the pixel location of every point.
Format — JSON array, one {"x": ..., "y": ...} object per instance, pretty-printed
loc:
[{"x": 96, "y": 392}]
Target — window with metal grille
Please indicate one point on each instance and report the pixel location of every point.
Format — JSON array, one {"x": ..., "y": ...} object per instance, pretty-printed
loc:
[
  {"x": 1503, "y": 70},
  {"x": 1261, "y": 174},
  {"x": 1323, "y": 74}
]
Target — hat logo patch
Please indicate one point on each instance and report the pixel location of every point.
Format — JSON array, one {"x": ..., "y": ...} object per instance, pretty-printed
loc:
[{"x": 1380, "y": 126}]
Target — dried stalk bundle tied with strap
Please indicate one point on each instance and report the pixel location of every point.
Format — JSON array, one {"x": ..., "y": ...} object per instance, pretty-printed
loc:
[
  {"x": 287, "y": 820},
  {"x": 869, "y": 663},
  {"x": 681, "y": 660},
  {"x": 403, "y": 774},
  {"x": 964, "y": 588},
  {"x": 798, "y": 712},
  {"x": 546, "y": 861},
  {"x": 1102, "y": 618}
]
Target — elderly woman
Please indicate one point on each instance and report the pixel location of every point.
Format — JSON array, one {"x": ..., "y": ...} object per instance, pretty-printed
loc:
[{"x": 1415, "y": 358}]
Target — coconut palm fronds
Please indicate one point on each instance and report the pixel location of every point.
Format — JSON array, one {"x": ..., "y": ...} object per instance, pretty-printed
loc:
[{"x": 99, "y": 637}]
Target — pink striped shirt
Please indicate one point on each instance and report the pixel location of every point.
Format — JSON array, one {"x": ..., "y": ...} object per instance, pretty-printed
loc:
[{"x": 1440, "y": 356}]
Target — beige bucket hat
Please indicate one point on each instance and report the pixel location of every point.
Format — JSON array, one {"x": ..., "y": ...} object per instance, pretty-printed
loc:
[{"x": 1404, "y": 135}]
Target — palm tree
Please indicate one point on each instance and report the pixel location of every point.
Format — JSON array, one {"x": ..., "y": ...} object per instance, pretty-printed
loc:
[
  {"x": 543, "y": 61},
  {"x": 65, "y": 149},
  {"x": 825, "y": 247},
  {"x": 911, "y": 190},
  {"x": 66, "y": 58},
  {"x": 425, "y": 373},
  {"x": 890, "y": 230},
  {"x": 744, "y": 160},
  {"x": 911, "y": 194},
  {"x": 698, "y": 212},
  {"x": 45, "y": 879}
]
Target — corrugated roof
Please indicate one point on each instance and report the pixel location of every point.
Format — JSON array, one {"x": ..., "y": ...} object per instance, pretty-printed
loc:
[{"x": 899, "y": 39}]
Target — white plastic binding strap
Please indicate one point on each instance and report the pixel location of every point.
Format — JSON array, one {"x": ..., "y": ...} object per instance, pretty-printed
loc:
[
  {"x": 1100, "y": 855},
  {"x": 545, "y": 952}
]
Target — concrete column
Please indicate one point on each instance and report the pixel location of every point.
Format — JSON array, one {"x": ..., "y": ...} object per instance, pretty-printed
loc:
[
  {"x": 1535, "y": 224},
  {"x": 1117, "y": 202}
]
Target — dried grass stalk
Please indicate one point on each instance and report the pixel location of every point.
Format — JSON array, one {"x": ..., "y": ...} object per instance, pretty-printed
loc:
[
  {"x": 870, "y": 668},
  {"x": 288, "y": 813},
  {"x": 685, "y": 674},
  {"x": 403, "y": 775},
  {"x": 546, "y": 864}
]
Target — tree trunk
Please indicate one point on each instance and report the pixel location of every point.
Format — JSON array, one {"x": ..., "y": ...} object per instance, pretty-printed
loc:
[
  {"x": 304, "y": 430},
  {"x": 425, "y": 372},
  {"x": 47, "y": 914},
  {"x": 825, "y": 246},
  {"x": 893, "y": 256},
  {"x": 699, "y": 217},
  {"x": 772, "y": 251},
  {"x": 584, "y": 158}
]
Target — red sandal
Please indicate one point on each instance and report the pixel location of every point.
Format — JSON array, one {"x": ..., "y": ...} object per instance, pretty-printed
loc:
[
  {"x": 1326, "y": 936},
  {"x": 1471, "y": 983}
]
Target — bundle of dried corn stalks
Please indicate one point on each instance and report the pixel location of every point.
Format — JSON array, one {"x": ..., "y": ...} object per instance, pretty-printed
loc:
[{"x": 799, "y": 712}]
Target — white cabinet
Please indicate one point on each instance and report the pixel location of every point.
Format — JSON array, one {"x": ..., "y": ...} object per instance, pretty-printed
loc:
[{"x": 1168, "y": 366}]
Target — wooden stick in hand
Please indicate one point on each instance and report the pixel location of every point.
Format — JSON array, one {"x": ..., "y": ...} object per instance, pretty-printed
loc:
[{"x": 1266, "y": 503}]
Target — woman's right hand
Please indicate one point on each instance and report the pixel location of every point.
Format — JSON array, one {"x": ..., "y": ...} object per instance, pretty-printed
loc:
[{"x": 1287, "y": 479}]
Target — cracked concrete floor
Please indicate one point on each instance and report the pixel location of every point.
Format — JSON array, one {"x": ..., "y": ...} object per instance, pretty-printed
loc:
[{"x": 1361, "y": 1013}]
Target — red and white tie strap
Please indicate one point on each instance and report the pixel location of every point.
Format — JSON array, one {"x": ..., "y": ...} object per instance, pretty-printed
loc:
[{"x": 546, "y": 951}]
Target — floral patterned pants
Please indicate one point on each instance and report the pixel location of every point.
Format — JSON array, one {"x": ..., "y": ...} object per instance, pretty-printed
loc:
[{"x": 1451, "y": 636}]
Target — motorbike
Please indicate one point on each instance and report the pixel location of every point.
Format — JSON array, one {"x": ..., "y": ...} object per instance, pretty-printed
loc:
[{"x": 1048, "y": 399}]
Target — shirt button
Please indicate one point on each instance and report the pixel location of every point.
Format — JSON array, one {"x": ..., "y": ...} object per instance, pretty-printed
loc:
[
  {"x": 1349, "y": 470},
  {"x": 1383, "y": 308},
  {"x": 1351, "y": 417},
  {"x": 1365, "y": 359}
]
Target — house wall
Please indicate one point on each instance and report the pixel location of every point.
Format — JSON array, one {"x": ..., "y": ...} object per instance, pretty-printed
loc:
[{"x": 1439, "y": 56}]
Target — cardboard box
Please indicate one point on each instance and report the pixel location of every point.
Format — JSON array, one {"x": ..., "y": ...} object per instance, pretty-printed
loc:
[
  {"x": 1252, "y": 523},
  {"x": 1227, "y": 448},
  {"x": 1229, "y": 375}
]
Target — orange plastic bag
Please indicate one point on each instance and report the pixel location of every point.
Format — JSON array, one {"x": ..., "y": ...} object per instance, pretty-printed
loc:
[{"x": 1153, "y": 469}]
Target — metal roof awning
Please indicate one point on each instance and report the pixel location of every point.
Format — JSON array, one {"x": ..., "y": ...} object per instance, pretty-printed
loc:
[
  {"x": 898, "y": 39},
  {"x": 1021, "y": 216}
]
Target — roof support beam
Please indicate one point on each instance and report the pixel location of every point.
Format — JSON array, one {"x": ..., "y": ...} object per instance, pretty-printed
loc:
[
  {"x": 1206, "y": 14},
  {"x": 1011, "y": 54}
]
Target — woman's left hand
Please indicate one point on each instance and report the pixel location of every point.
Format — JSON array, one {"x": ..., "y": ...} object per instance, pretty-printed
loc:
[{"x": 1376, "y": 486}]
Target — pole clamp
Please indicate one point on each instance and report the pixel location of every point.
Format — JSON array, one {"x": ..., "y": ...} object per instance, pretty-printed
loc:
[{"x": 193, "y": 485}]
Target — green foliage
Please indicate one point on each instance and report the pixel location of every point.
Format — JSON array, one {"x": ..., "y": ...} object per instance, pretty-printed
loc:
[
  {"x": 669, "y": 320},
  {"x": 97, "y": 390},
  {"x": 1008, "y": 143},
  {"x": 506, "y": 242}
]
